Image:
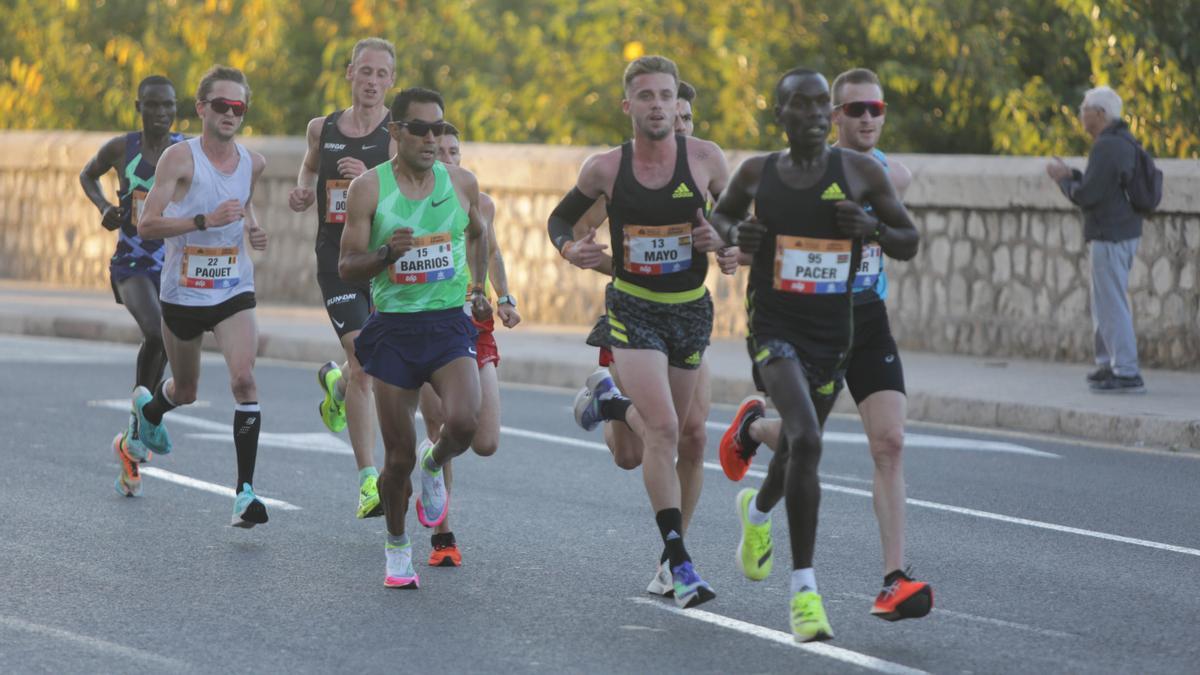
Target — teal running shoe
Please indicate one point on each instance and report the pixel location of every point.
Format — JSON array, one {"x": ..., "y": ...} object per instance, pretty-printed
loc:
[
  {"x": 142, "y": 434},
  {"x": 248, "y": 511}
]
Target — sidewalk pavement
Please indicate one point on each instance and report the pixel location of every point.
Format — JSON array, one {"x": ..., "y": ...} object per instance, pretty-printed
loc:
[{"x": 997, "y": 393}]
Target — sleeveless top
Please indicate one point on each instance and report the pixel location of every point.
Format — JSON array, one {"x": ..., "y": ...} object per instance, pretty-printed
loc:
[
  {"x": 651, "y": 230},
  {"x": 371, "y": 150},
  {"x": 433, "y": 275},
  {"x": 201, "y": 269},
  {"x": 871, "y": 284},
  {"x": 133, "y": 254}
]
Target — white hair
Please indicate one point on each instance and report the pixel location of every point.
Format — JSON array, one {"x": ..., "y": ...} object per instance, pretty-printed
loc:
[{"x": 1104, "y": 98}]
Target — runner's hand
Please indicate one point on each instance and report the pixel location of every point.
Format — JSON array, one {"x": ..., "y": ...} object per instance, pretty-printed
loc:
[
  {"x": 750, "y": 234},
  {"x": 853, "y": 220},
  {"x": 258, "y": 237},
  {"x": 400, "y": 242},
  {"x": 509, "y": 316},
  {"x": 300, "y": 198},
  {"x": 229, "y": 211},
  {"x": 111, "y": 220},
  {"x": 350, "y": 167},
  {"x": 727, "y": 259},
  {"x": 704, "y": 235},
  {"x": 481, "y": 309},
  {"x": 585, "y": 253}
]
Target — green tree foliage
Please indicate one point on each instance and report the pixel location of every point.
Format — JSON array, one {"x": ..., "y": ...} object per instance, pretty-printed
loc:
[{"x": 961, "y": 76}]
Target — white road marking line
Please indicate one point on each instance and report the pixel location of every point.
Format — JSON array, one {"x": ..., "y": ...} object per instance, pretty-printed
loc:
[
  {"x": 819, "y": 648},
  {"x": 987, "y": 515},
  {"x": 188, "y": 481},
  {"x": 310, "y": 442},
  {"x": 928, "y": 441},
  {"x": 980, "y": 619},
  {"x": 111, "y": 648}
]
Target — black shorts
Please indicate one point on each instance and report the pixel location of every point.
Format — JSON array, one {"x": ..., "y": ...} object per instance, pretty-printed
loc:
[
  {"x": 874, "y": 360},
  {"x": 405, "y": 350},
  {"x": 680, "y": 330},
  {"x": 187, "y": 322},
  {"x": 825, "y": 379},
  {"x": 347, "y": 304}
]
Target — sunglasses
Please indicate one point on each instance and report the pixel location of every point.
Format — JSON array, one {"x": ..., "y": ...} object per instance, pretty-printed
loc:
[
  {"x": 419, "y": 128},
  {"x": 860, "y": 108},
  {"x": 224, "y": 105}
]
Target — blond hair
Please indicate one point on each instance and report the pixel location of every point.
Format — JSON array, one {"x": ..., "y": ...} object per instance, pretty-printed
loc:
[{"x": 646, "y": 65}]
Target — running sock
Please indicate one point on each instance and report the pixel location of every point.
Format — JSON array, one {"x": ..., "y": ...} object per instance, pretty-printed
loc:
[
  {"x": 664, "y": 557},
  {"x": 670, "y": 524},
  {"x": 614, "y": 408},
  {"x": 429, "y": 464},
  {"x": 397, "y": 540},
  {"x": 755, "y": 516},
  {"x": 159, "y": 405},
  {"x": 802, "y": 579},
  {"x": 893, "y": 576},
  {"x": 247, "y": 420},
  {"x": 363, "y": 474},
  {"x": 749, "y": 445}
]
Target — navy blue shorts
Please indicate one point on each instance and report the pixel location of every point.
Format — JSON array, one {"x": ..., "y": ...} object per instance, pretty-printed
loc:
[{"x": 404, "y": 350}]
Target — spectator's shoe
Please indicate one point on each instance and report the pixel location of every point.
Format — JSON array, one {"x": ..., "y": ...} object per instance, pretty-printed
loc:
[
  {"x": 1120, "y": 384},
  {"x": 809, "y": 622},
  {"x": 903, "y": 598},
  {"x": 1100, "y": 374}
]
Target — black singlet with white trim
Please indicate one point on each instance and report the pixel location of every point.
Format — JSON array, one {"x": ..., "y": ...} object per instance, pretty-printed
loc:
[
  {"x": 651, "y": 229},
  {"x": 371, "y": 150}
]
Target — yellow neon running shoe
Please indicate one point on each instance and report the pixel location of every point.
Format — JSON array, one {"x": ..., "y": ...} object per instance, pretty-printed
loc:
[
  {"x": 754, "y": 551},
  {"x": 333, "y": 411},
  {"x": 809, "y": 622},
  {"x": 369, "y": 505}
]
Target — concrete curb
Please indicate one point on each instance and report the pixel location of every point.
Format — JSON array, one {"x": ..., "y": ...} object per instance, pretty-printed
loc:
[{"x": 1133, "y": 430}]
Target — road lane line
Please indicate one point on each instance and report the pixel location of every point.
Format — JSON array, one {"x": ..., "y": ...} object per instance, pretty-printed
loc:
[
  {"x": 1047, "y": 632},
  {"x": 110, "y": 648},
  {"x": 187, "y": 481},
  {"x": 927, "y": 441},
  {"x": 819, "y": 648}
]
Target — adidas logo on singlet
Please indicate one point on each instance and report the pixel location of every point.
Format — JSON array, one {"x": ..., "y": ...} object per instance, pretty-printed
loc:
[
  {"x": 682, "y": 192},
  {"x": 833, "y": 193}
]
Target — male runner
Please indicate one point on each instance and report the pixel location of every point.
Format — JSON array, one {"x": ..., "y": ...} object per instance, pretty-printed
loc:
[
  {"x": 874, "y": 375},
  {"x": 405, "y": 233},
  {"x": 800, "y": 306},
  {"x": 201, "y": 205},
  {"x": 624, "y": 444},
  {"x": 445, "y": 552},
  {"x": 135, "y": 266},
  {"x": 341, "y": 147},
  {"x": 659, "y": 312}
]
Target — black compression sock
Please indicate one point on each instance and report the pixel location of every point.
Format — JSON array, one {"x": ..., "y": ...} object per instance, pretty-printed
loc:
[
  {"x": 749, "y": 445},
  {"x": 247, "y": 420},
  {"x": 664, "y": 557},
  {"x": 159, "y": 405},
  {"x": 670, "y": 524},
  {"x": 615, "y": 408}
]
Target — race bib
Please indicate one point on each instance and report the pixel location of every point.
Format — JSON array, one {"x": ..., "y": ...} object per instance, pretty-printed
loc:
[
  {"x": 430, "y": 259},
  {"x": 139, "y": 205},
  {"x": 335, "y": 200},
  {"x": 869, "y": 268},
  {"x": 811, "y": 266},
  {"x": 209, "y": 267},
  {"x": 658, "y": 249}
]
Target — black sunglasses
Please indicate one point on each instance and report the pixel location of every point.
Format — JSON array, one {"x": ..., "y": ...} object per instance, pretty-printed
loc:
[
  {"x": 860, "y": 108},
  {"x": 419, "y": 128},
  {"x": 224, "y": 105}
]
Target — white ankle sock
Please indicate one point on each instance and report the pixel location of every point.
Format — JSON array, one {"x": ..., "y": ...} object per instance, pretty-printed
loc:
[
  {"x": 755, "y": 516},
  {"x": 802, "y": 578}
]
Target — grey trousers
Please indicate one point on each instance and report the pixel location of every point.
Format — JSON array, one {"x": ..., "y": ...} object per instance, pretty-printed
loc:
[{"x": 1112, "y": 320}]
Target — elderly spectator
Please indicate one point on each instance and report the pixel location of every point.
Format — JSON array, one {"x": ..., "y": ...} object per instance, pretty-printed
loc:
[{"x": 1112, "y": 229}]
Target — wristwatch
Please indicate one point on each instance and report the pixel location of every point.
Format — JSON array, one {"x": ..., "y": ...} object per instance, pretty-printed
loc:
[
  {"x": 198, "y": 221},
  {"x": 507, "y": 300},
  {"x": 384, "y": 252}
]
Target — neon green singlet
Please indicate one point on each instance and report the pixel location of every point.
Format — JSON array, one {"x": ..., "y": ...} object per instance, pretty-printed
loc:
[{"x": 433, "y": 275}]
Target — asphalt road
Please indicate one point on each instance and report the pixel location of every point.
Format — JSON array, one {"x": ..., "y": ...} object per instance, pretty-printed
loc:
[{"x": 1045, "y": 555}]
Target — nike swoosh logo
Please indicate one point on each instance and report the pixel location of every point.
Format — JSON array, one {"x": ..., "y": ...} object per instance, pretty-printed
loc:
[
  {"x": 367, "y": 147},
  {"x": 339, "y": 324},
  {"x": 437, "y": 204},
  {"x": 471, "y": 350}
]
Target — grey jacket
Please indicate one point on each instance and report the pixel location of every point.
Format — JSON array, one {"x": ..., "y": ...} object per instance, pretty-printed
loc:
[{"x": 1100, "y": 191}]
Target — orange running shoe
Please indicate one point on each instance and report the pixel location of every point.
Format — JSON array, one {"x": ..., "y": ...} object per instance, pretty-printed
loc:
[
  {"x": 735, "y": 455},
  {"x": 129, "y": 482},
  {"x": 903, "y": 598},
  {"x": 445, "y": 551}
]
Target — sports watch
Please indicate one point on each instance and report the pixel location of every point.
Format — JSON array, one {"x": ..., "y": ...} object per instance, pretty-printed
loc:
[
  {"x": 199, "y": 222},
  {"x": 507, "y": 300}
]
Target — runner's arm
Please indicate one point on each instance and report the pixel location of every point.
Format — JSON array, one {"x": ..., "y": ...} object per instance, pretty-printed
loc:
[
  {"x": 900, "y": 175},
  {"x": 497, "y": 274},
  {"x": 355, "y": 262},
  {"x": 106, "y": 158},
  {"x": 595, "y": 180},
  {"x": 174, "y": 167},
  {"x": 302, "y": 196},
  {"x": 592, "y": 220},
  {"x": 734, "y": 204},
  {"x": 256, "y": 234},
  {"x": 477, "y": 235},
  {"x": 894, "y": 229}
]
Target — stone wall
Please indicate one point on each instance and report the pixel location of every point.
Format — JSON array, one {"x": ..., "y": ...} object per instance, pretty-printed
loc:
[{"x": 1002, "y": 269}]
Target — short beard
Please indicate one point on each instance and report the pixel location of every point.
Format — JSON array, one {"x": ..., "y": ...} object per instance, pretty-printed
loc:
[{"x": 657, "y": 135}]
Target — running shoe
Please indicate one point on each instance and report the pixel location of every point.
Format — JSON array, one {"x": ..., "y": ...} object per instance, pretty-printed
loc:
[
  {"x": 333, "y": 412},
  {"x": 690, "y": 589},
  {"x": 662, "y": 583},
  {"x": 1100, "y": 374},
  {"x": 142, "y": 435},
  {"x": 735, "y": 456},
  {"x": 248, "y": 511},
  {"x": 399, "y": 570},
  {"x": 903, "y": 597},
  {"x": 129, "y": 482},
  {"x": 598, "y": 388},
  {"x": 369, "y": 505},
  {"x": 1119, "y": 384},
  {"x": 809, "y": 622},
  {"x": 754, "y": 551},
  {"x": 445, "y": 551},
  {"x": 434, "y": 501}
]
